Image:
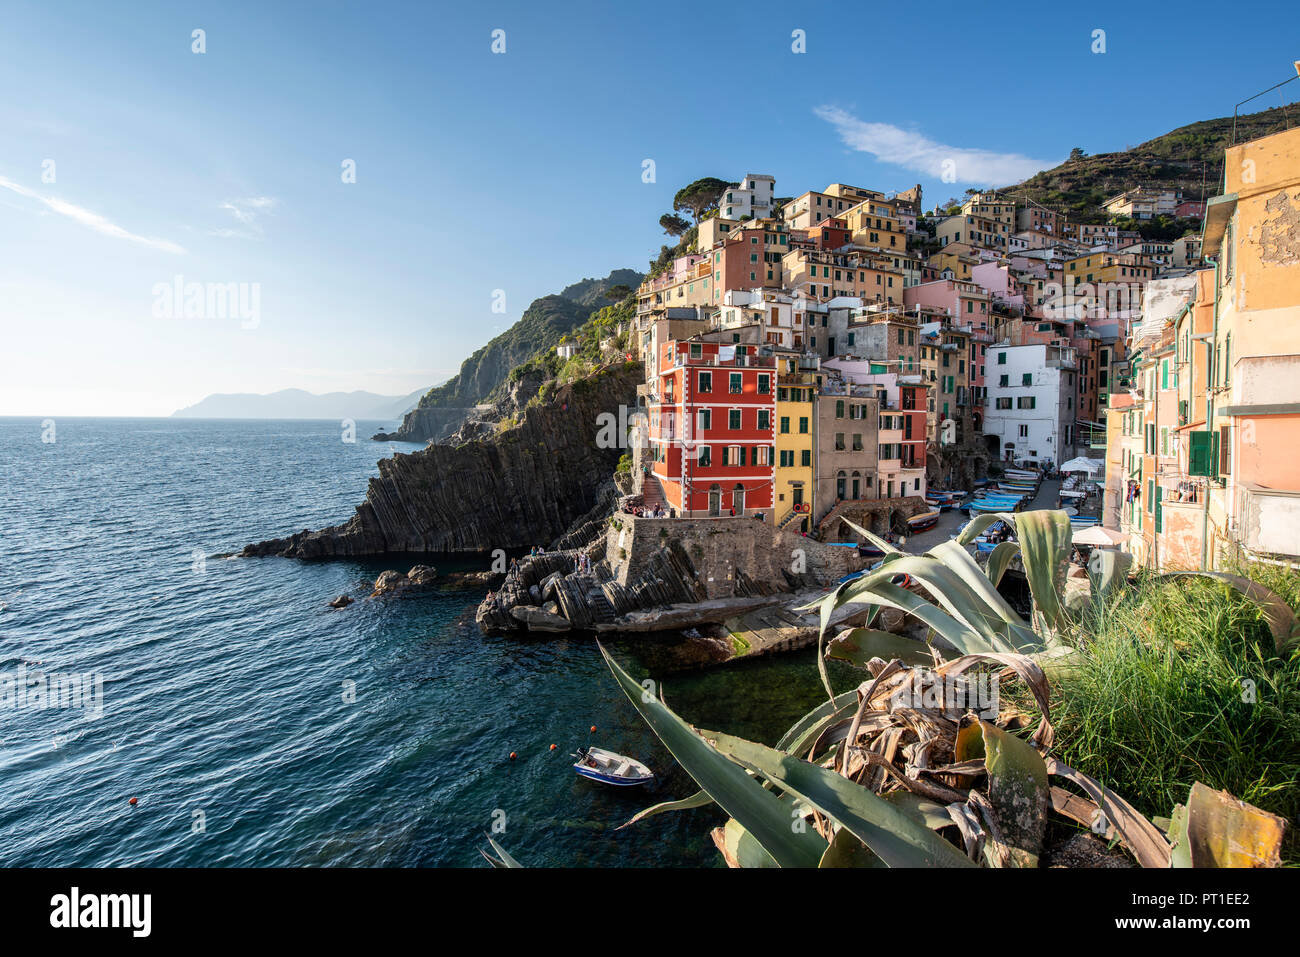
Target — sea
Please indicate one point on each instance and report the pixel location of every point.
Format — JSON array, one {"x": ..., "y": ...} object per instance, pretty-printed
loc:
[{"x": 253, "y": 725}]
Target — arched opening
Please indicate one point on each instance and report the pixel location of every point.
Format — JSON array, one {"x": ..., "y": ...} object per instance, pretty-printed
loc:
[
  {"x": 991, "y": 443},
  {"x": 715, "y": 499},
  {"x": 738, "y": 499},
  {"x": 839, "y": 485},
  {"x": 857, "y": 485}
]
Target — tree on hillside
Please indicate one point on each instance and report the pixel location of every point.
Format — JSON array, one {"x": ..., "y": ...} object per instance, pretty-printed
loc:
[
  {"x": 673, "y": 224},
  {"x": 701, "y": 195},
  {"x": 1077, "y": 153},
  {"x": 618, "y": 292}
]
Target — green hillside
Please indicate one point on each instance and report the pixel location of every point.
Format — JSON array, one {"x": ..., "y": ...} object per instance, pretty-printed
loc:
[{"x": 1189, "y": 158}]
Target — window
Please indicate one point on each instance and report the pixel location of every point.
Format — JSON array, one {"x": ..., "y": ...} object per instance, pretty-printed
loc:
[
  {"x": 764, "y": 420},
  {"x": 785, "y": 424},
  {"x": 1023, "y": 431},
  {"x": 1002, "y": 358},
  {"x": 1026, "y": 402},
  {"x": 697, "y": 350},
  {"x": 706, "y": 419},
  {"x": 805, "y": 457},
  {"x": 703, "y": 456},
  {"x": 839, "y": 409},
  {"x": 706, "y": 381},
  {"x": 764, "y": 384},
  {"x": 733, "y": 419},
  {"x": 857, "y": 441},
  {"x": 803, "y": 424},
  {"x": 839, "y": 441},
  {"x": 1003, "y": 381},
  {"x": 1004, "y": 403},
  {"x": 1027, "y": 379},
  {"x": 736, "y": 383}
]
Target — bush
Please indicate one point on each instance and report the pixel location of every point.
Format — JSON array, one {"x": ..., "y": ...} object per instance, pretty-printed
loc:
[{"x": 1180, "y": 682}]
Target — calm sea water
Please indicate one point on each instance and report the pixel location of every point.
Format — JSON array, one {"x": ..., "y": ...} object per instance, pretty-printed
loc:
[{"x": 225, "y": 704}]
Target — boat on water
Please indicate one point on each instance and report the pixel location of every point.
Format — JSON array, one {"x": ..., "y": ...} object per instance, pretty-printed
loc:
[
  {"x": 919, "y": 523},
  {"x": 610, "y": 768}
]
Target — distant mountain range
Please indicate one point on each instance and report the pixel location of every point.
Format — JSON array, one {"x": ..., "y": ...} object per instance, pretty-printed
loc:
[{"x": 298, "y": 404}]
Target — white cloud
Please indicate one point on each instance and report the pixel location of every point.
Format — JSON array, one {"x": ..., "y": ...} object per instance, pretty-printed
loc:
[
  {"x": 919, "y": 153},
  {"x": 90, "y": 218},
  {"x": 246, "y": 211}
]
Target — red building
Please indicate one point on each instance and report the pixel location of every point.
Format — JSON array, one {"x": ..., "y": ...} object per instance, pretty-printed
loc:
[
  {"x": 913, "y": 402},
  {"x": 711, "y": 428}
]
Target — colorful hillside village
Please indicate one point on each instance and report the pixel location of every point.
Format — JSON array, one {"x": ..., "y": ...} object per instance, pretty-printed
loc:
[{"x": 843, "y": 352}]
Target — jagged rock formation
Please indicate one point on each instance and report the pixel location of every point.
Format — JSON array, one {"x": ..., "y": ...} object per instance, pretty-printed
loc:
[
  {"x": 442, "y": 409},
  {"x": 525, "y": 485},
  {"x": 587, "y": 601}
]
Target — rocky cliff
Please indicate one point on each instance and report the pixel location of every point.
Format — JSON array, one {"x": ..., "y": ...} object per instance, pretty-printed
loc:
[
  {"x": 526, "y": 484},
  {"x": 442, "y": 409}
]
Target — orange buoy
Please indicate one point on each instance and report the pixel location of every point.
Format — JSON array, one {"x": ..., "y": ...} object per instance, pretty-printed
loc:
[
  {"x": 512, "y": 755},
  {"x": 132, "y": 802},
  {"x": 593, "y": 729},
  {"x": 552, "y": 747}
]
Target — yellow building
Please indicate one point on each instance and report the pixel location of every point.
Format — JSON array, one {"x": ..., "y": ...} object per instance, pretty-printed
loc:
[
  {"x": 1253, "y": 347},
  {"x": 796, "y": 442}
]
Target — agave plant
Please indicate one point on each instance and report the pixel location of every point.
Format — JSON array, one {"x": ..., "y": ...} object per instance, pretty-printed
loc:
[{"x": 888, "y": 775}]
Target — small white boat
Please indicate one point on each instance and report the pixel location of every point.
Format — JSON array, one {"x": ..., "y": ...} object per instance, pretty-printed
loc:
[{"x": 610, "y": 768}]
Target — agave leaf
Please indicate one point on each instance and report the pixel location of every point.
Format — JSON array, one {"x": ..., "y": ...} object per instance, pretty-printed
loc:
[
  {"x": 1000, "y": 560},
  {"x": 978, "y": 523},
  {"x": 739, "y": 848},
  {"x": 503, "y": 858},
  {"x": 873, "y": 538},
  {"x": 1028, "y": 670},
  {"x": 899, "y": 839},
  {"x": 1080, "y": 809},
  {"x": 1044, "y": 538},
  {"x": 859, "y": 645},
  {"x": 954, "y": 632},
  {"x": 847, "y": 851},
  {"x": 1217, "y": 830},
  {"x": 1180, "y": 852},
  {"x": 808, "y": 728},
  {"x": 1107, "y": 569},
  {"x": 698, "y": 799},
  {"x": 959, "y": 560},
  {"x": 956, "y": 597},
  {"x": 759, "y": 811},
  {"x": 1018, "y": 794},
  {"x": 1281, "y": 619},
  {"x": 930, "y": 813},
  {"x": 1138, "y": 834}
]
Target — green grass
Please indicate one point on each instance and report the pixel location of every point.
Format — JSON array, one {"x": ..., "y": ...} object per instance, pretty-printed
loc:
[{"x": 1157, "y": 698}]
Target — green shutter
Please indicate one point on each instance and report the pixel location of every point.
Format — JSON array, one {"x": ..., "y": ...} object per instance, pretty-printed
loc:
[
  {"x": 1159, "y": 510},
  {"x": 1203, "y": 454}
]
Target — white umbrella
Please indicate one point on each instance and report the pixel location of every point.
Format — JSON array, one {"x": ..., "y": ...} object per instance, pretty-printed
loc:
[
  {"x": 1098, "y": 537},
  {"x": 1083, "y": 464}
]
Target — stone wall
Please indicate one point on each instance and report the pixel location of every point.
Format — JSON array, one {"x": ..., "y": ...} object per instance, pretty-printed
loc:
[{"x": 732, "y": 556}]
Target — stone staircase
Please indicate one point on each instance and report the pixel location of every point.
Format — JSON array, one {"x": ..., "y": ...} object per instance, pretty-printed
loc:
[{"x": 652, "y": 492}]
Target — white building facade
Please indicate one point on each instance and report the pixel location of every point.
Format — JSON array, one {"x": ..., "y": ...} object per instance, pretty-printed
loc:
[
  {"x": 1030, "y": 406},
  {"x": 754, "y": 197}
]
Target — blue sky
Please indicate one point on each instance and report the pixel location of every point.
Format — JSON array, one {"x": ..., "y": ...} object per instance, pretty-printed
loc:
[{"x": 478, "y": 171}]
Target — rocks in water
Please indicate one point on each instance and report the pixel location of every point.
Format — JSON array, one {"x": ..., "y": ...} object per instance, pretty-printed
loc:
[
  {"x": 342, "y": 601},
  {"x": 539, "y": 619},
  {"x": 422, "y": 575},
  {"x": 391, "y": 582},
  {"x": 388, "y": 582}
]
